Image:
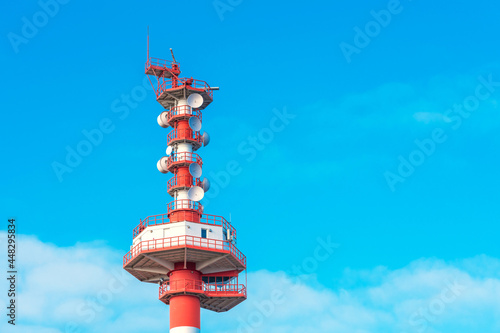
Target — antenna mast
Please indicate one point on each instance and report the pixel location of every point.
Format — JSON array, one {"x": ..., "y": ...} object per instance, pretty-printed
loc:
[{"x": 173, "y": 57}]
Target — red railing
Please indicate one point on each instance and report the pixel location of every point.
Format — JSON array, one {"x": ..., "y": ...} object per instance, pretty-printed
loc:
[
  {"x": 160, "y": 63},
  {"x": 184, "y": 204},
  {"x": 183, "y": 110},
  {"x": 197, "y": 84},
  {"x": 176, "y": 180},
  {"x": 150, "y": 220},
  {"x": 163, "y": 219},
  {"x": 184, "y": 134},
  {"x": 184, "y": 241},
  {"x": 218, "y": 221},
  {"x": 184, "y": 157},
  {"x": 209, "y": 289}
]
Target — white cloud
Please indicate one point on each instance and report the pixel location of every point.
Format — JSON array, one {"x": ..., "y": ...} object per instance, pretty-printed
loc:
[
  {"x": 81, "y": 288},
  {"x": 428, "y": 295}
]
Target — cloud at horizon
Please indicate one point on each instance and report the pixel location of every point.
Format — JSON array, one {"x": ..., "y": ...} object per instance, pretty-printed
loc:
[{"x": 82, "y": 288}]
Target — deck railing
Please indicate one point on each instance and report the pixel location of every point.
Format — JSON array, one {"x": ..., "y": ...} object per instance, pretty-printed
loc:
[
  {"x": 184, "y": 241},
  {"x": 210, "y": 289}
]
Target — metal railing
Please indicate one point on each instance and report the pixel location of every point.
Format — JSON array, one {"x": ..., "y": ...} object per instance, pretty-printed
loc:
[
  {"x": 181, "y": 111},
  {"x": 184, "y": 134},
  {"x": 184, "y": 157},
  {"x": 184, "y": 241},
  {"x": 198, "y": 286},
  {"x": 184, "y": 81},
  {"x": 184, "y": 204},
  {"x": 160, "y": 63},
  {"x": 208, "y": 219},
  {"x": 182, "y": 181},
  {"x": 149, "y": 221}
]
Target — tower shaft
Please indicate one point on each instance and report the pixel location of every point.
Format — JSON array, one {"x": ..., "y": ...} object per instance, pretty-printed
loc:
[{"x": 185, "y": 309}]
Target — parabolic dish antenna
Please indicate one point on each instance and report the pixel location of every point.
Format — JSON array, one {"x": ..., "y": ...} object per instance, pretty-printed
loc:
[
  {"x": 205, "y": 184},
  {"x": 169, "y": 150},
  {"x": 206, "y": 139},
  {"x": 195, "y": 100},
  {"x": 196, "y": 193},
  {"x": 195, "y": 170},
  {"x": 195, "y": 124},
  {"x": 162, "y": 165},
  {"x": 162, "y": 119}
]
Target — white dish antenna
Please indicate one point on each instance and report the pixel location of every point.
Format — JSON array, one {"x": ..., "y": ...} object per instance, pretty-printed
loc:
[
  {"x": 205, "y": 184},
  {"x": 195, "y": 124},
  {"x": 169, "y": 150},
  {"x": 195, "y": 100},
  {"x": 162, "y": 119},
  {"x": 206, "y": 139},
  {"x": 195, "y": 170},
  {"x": 196, "y": 193},
  {"x": 162, "y": 164}
]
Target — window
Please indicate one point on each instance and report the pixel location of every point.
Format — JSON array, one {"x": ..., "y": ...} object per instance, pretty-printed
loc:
[{"x": 203, "y": 233}]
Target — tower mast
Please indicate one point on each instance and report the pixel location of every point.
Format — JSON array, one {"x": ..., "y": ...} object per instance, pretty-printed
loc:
[{"x": 190, "y": 254}]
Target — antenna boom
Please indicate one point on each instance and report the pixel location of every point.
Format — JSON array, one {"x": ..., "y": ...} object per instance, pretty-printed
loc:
[{"x": 173, "y": 57}]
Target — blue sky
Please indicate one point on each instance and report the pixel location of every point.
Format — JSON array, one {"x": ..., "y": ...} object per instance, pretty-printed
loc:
[{"x": 353, "y": 120}]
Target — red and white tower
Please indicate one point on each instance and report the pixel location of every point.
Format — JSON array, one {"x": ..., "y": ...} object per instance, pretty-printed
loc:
[{"x": 192, "y": 255}]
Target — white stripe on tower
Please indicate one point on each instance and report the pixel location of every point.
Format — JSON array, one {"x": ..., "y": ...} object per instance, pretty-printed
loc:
[{"x": 184, "y": 329}]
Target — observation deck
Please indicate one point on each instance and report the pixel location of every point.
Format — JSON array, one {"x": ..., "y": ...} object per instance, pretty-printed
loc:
[
  {"x": 150, "y": 260},
  {"x": 219, "y": 297}
]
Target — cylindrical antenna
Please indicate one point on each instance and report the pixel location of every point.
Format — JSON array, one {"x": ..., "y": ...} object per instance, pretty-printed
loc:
[
  {"x": 148, "y": 43},
  {"x": 172, "y": 51}
]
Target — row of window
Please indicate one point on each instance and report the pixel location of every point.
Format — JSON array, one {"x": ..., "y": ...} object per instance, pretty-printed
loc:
[
  {"x": 204, "y": 233},
  {"x": 219, "y": 279}
]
